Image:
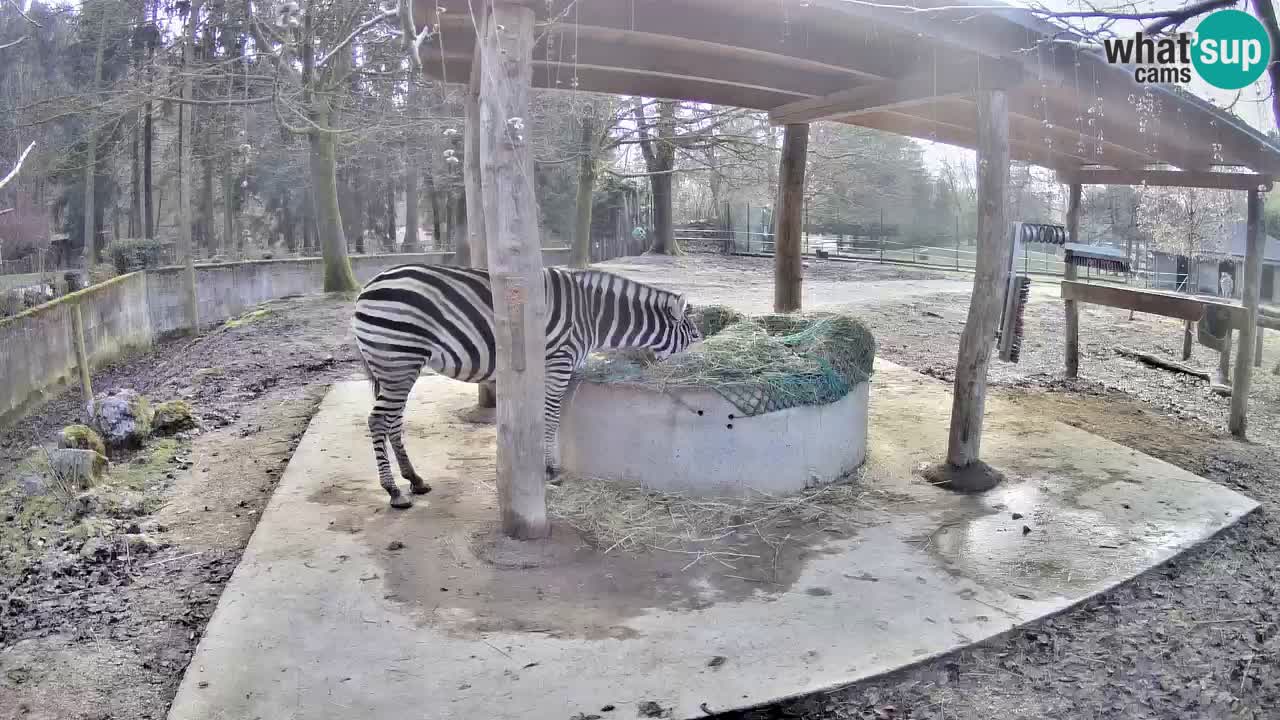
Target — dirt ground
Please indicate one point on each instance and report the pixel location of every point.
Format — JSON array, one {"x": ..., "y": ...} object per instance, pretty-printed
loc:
[{"x": 109, "y": 636}]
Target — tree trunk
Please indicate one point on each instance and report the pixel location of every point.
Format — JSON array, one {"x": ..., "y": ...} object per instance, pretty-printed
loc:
[
  {"x": 437, "y": 215},
  {"x": 411, "y": 241},
  {"x": 338, "y": 276},
  {"x": 148, "y": 209},
  {"x": 1256, "y": 241},
  {"x": 788, "y": 267},
  {"x": 185, "y": 246},
  {"x": 1071, "y": 335},
  {"x": 990, "y": 276},
  {"x": 389, "y": 236},
  {"x": 90, "y": 232},
  {"x": 458, "y": 228},
  {"x": 586, "y": 184},
  {"x": 208, "y": 235},
  {"x": 515, "y": 264},
  {"x": 286, "y": 225},
  {"x": 135, "y": 183},
  {"x": 230, "y": 238},
  {"x": 664, "y": 238}
]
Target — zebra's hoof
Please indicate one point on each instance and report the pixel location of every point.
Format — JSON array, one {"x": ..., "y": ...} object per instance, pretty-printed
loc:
[
  {"x": 400, "y": 502},
  {"x": 420, "y": 489}
]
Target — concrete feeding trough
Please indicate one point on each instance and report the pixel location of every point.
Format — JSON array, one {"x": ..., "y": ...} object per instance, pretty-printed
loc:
[
  {"x": 772, "y": 404},
  {"x": 694, "y": 441}
]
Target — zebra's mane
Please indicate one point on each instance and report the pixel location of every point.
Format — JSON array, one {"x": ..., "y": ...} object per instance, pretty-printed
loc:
[{"x": 593, "y": 280}]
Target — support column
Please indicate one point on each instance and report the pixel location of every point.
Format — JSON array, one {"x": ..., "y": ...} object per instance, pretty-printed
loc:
[
  {"x": 1072, "y": 334},
  {"x": 486, "y": 394},
  {"x": 515, "y": 266},
  {"x": 990, "y": 277},
  {"x": 788, "y": 229},
  {"x": 1238, "y": 420}
]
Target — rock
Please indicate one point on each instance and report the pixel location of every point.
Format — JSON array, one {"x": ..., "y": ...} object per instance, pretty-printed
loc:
[
  {"x": 32, "y": 484},
  {"x": 124, "y": 505},
  {"x": 173, "y": 417},
  {"x": 122, "y": 417},
  {"x": 77, "y": 470},
  {"x": 96, "y": 548},
  {"x": 81, "y": 437},
  {"x": 142, "y": 544}
]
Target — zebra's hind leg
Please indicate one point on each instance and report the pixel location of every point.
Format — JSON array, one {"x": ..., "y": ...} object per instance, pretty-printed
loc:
[
  {"x": 378, "y": 433},
  {"x": 559, "y": 369},
  {"x": 386, "y": 423},
  {"x": 416, "y": 483}
]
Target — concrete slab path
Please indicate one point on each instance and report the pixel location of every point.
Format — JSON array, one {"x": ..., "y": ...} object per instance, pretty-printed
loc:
[{"x": 343, "y": 609}]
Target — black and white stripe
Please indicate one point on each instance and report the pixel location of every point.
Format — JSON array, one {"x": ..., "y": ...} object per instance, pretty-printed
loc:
[{"x": 442, "y": 317}]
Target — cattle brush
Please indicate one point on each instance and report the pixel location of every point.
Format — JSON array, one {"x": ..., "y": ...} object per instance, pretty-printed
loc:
[{"x": 1011, "y": 325}]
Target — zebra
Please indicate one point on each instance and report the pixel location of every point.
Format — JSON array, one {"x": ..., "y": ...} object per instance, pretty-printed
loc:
[{"x": 415, "y": 315}]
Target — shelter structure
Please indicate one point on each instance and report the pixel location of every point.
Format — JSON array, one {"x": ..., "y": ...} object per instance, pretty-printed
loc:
[{"x": 1000, "y": 81}]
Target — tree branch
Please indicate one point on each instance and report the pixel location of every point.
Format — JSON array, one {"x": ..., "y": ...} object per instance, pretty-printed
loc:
[
  {"x": 14, "y": 172},
  {"x": 25, "y": 16},
  {"x": 15, "y": 43},
  {"x": 380, "y": 17}
]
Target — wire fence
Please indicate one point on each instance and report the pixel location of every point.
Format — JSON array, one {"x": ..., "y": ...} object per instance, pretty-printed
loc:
[{"x": 1149, "y": 270}]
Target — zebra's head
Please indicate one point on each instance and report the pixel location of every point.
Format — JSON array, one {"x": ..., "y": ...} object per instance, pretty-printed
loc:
[{"x": 683, "y": 331}]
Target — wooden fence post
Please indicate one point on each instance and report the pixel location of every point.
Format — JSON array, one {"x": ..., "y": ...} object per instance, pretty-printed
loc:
[
  {"x": 993, "y": 264},
  {"x": 787, "y": 266},
  {"x": 1072, "y": 334},
  {"x": 1257, "y": 349},
  {"x": 82, "y": 357},
  {"x": 515, "y": 266},
  {"x": 1256, "y": 240}
]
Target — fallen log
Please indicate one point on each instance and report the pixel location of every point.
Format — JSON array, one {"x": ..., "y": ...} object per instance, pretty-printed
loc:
[{"x": 1155, "y": 361}]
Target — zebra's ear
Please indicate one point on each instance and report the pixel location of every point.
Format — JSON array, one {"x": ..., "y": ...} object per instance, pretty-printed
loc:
[{"x": 677, "y": 304}]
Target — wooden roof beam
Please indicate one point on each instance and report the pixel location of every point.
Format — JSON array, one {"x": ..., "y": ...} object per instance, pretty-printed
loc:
[
  {"x": 1167, "y": 178},
  {"x": 921, "y": 86},
  {"x": 960, "y": 136}
]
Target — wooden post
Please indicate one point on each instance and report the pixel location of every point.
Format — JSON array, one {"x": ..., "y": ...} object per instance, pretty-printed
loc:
[
  {"x": 515, "y": 266},
  {"x": 1223, "y": 379},
  {"x": 486, "y": 394},
  {"x": 1257, "y": 349},
  {"x": 993, "y": 264},
  {"x": 1186, "y": 339},
  {"x": 1256, "y": 239},
  {"x": 787, "y": 268},
  {"x": 82, "y": 357},
  {"x": 1072, "y": 334}
]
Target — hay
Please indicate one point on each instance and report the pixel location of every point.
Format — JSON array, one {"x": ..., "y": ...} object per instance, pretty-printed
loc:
[
  {"x": 761, "y": 364},
  {"x": 615, "y": 517}
]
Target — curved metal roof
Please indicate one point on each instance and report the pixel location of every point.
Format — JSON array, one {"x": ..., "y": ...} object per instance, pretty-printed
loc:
[{"x": 913, "y": 70}]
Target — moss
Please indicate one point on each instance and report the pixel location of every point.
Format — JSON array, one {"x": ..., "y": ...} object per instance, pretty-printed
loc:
[
  {"x": 172, "y": 417},
  {"x": 147, "y": 469},
  {"x": 28, "y": 523},
  {"x": 249, "y": 317},
  {"x": 142, "y": 414},
  {"x": 82, "y": 437}
]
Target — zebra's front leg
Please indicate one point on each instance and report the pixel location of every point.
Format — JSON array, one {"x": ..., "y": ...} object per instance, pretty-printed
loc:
[{"x": 559, "y": 370}]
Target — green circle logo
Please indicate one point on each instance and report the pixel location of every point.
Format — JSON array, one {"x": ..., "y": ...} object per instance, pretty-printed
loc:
[{"x": 1231, "y": 49}]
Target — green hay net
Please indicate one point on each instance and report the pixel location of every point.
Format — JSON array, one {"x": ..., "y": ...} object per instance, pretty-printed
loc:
[{"x": 759, "y": 364}]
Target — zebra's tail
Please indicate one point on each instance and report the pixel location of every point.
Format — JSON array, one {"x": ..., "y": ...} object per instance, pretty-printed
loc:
[{"x": 368, "y": 370}]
